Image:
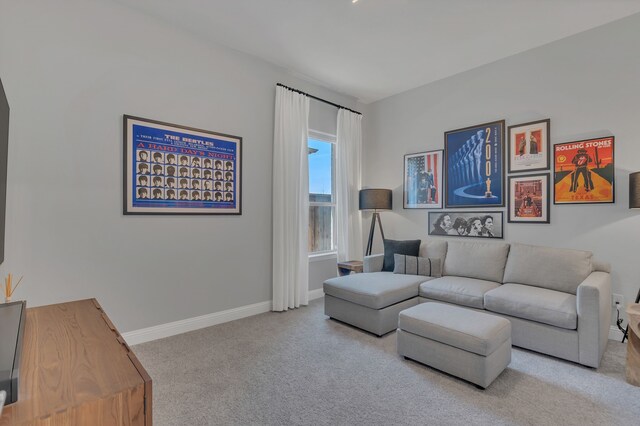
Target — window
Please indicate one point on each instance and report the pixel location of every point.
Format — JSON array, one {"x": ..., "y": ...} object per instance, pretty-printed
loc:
[{"x": 322, "y": 202}]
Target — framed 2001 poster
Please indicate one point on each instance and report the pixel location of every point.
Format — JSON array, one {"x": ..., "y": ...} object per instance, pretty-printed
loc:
[
  {"x": 423, "y": 180},
  {"x": 584, "y": 171},
  {"x": 171, "y": 169},
  {"x": 474, "y": 166}
]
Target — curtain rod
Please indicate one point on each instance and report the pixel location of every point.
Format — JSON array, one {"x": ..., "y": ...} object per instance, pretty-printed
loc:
[{"x": 318, "y": 99}]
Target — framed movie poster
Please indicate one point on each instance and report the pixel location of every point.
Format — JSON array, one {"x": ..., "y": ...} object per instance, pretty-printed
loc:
[
  {"x": 171, "y": 169},
  {"x": 423, "y": 180},
  {"x": 529, "y": 198},
  {"x": 529, "y": 146},
  {"x": 584, "y": 171},
  {"x": 467, "y": 224},
  {"x": 474, "y": 166}
]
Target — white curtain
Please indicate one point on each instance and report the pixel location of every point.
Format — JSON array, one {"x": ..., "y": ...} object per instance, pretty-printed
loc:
[
  {"x": 348, "y": 168},
  {"x": 290, "y": 201}
]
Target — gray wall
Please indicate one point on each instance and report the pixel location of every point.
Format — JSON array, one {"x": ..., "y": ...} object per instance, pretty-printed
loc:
[
  {"x": 70, "y": 70},
  {"x": 587, "y": 84}
]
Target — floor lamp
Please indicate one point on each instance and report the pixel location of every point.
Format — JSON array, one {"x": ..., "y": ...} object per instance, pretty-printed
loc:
[
  {"x": 375, "y": 199},
  {"x": 634, "y": 203}
]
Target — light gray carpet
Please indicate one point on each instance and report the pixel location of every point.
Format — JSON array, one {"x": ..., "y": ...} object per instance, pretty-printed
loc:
[{"x": 300, "y": 368}]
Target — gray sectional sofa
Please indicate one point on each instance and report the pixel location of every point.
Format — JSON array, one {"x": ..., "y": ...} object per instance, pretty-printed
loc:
[{"x": 558, "y": 301}]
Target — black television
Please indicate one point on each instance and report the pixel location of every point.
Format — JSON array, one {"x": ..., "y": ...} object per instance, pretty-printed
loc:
[
  {"x": 12, "y": 323},
  {"x": 4, "y": 147}
]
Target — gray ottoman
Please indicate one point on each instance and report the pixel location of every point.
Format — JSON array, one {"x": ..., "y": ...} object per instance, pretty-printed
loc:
[
  {"x": 371, "y": 301},
  {"x": 471, "y": 345}
]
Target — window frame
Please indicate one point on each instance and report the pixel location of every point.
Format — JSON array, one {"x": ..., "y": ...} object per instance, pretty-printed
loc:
[{"x": 328, "y": 138}]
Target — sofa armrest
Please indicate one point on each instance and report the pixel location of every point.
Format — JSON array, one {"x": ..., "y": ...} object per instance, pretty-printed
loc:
[
  {"x": 373, "y": 263},
  {"x": 594, "y": 317}
]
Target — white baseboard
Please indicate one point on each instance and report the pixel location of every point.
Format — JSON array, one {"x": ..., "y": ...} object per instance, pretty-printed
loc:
[
  {"x": 615, "y": 334},
  {"x": 190, "y": 324},
  {"x": 316, "y": 294}
]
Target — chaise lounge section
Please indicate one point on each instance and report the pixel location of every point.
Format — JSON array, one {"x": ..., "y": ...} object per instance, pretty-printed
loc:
[{"x": 557, "y": 300}]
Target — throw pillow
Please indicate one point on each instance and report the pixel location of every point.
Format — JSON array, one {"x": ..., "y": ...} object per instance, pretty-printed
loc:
[
  {"x": 429, "y": 267},
  {"x": 391, "y": 247}
]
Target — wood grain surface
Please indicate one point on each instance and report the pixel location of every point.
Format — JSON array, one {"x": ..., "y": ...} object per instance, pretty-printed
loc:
[
  {"x": 345, "y": 268},
  {"x": 77, "y": 370},
  {"x": 633, "y": 347}
]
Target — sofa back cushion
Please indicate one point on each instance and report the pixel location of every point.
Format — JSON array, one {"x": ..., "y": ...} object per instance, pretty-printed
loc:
[
  {"x": 546, "y": 267},
  {"x": 433, "y": 248},
  {"x": 484, "y": 261}
]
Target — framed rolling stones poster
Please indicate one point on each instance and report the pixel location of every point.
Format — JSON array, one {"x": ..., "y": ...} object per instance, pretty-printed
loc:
[
  {"x": 529, "y": 199},
  {"x": 584, "y": 171}
]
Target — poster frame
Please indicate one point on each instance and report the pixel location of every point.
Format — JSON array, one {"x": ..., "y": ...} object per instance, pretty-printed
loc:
[
  {"x": 437, "y": 181},
  {"x": 546, "y": 143},
  {"x": 449, "y": 186},
  {"x": 469, "y": 214},
  {"x": 546, "y": 199},
  {"x": 182, "y": 207},
  {"x": 613, "y": 163}
]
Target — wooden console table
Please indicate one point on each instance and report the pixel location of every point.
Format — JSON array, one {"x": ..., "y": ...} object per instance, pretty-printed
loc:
[
  {"x": 633, "y": 347},
  {"x": 76, "y": 369},
  {"x": 345, "y": 268}
]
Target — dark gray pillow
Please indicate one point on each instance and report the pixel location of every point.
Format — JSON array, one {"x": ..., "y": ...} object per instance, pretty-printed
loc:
[
  {"x": 391, "y": 247},
  {"x": 412, "y": 265}
]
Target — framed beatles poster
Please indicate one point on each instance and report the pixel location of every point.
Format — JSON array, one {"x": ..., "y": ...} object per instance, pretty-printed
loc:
[
  {"x": 171, "y": 169},
  {"x": 423, "y": 180},
  {"x": 474, "y": 166},
  {"x": 584, "y": 171},
  {"x": 467, "y": 224},
  {"x": 529, "y": 198},
  {"x": 529, "y": 146}
]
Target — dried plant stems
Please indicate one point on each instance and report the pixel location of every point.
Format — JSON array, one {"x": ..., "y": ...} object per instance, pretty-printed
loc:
[{"x": 8, "y": 286}]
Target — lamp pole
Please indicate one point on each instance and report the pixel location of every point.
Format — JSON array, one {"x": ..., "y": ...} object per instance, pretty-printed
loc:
[{"x": 372, "y": 229}]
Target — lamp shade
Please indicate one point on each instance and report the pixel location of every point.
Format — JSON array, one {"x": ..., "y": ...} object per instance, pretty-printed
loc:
[
  {"x": 634, "y": 190},
  {"x": 375, "y": 199}
]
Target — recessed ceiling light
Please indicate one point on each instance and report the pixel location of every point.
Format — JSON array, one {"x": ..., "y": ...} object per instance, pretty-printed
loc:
[{"x": 354, "y": 1}]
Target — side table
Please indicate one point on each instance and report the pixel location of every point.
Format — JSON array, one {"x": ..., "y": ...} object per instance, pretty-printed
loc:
[
  {"x": 633, "y": 347},
  {"x": 345, "y": 268}
]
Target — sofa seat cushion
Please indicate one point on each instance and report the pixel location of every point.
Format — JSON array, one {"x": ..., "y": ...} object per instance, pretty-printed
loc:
[
  {"x": 458, "y": 290},
  {"x": 461, "y": 328},
  {"x": 374, "y": 290},
  {"x": 535, "y": 304}
]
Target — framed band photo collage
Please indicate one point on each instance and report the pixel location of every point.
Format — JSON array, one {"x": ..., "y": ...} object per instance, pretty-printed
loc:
[
  {"x": 171, "y": 169},
  {"x": 481, "y": 224}
]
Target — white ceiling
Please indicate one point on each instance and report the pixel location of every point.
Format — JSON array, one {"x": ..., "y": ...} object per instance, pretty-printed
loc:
[{"x": 377, "y": 48}]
